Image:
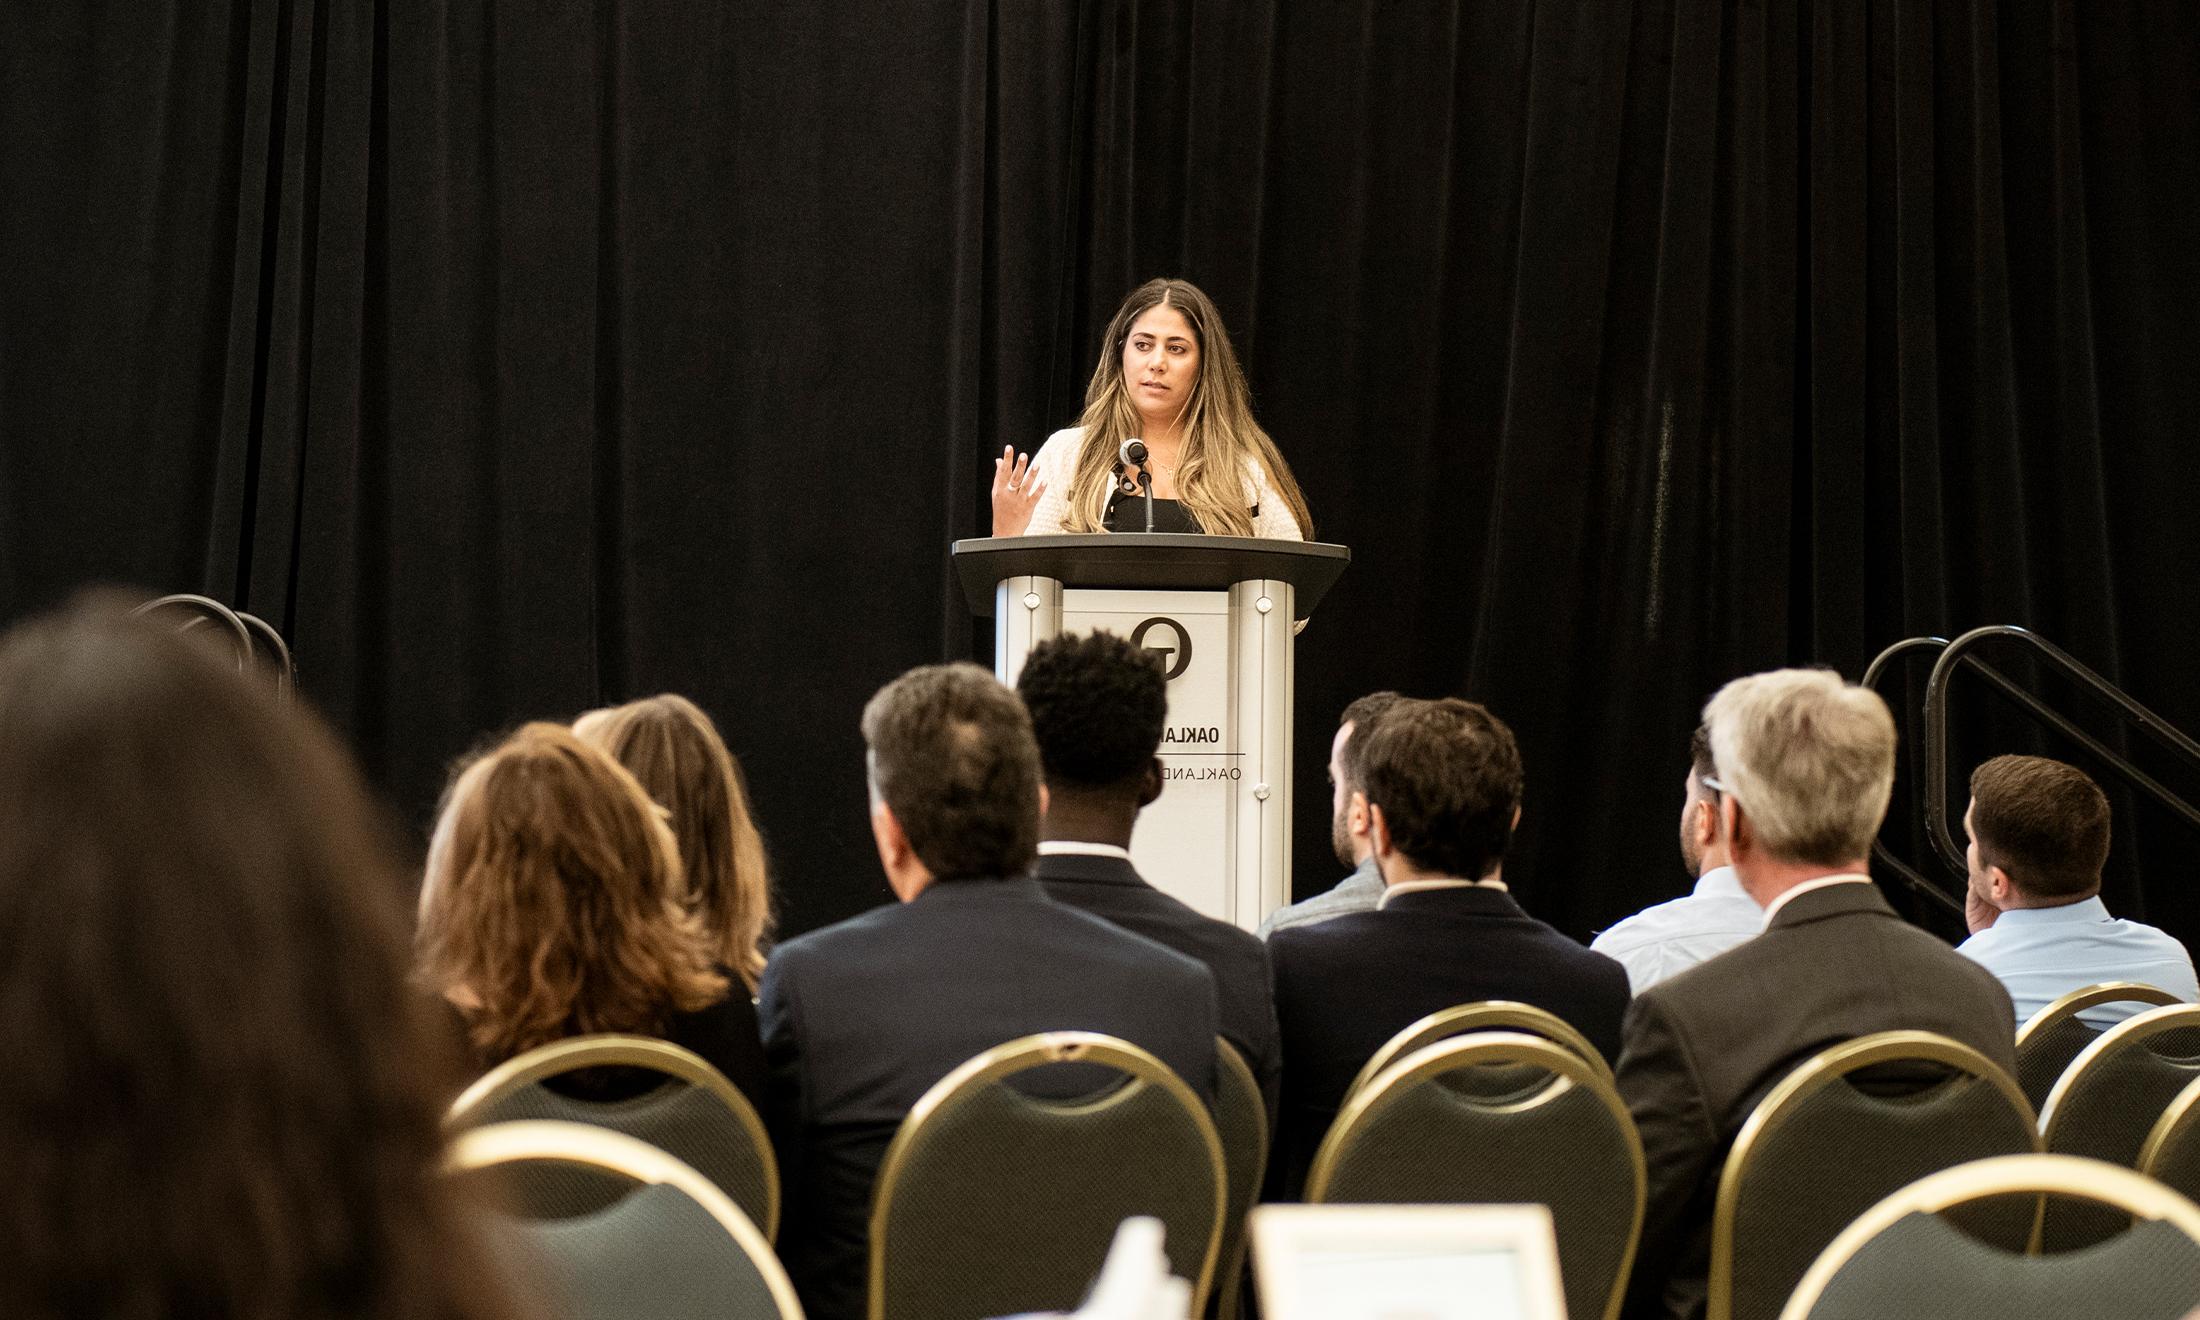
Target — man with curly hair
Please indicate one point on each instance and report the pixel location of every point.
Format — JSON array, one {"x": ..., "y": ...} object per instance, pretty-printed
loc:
[{"x": 1098, "y": 706}]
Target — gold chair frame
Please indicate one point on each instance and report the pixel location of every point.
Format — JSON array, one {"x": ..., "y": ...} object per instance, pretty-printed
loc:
[
  {"x": 2177, "y": 1115},
  {"x": 1568, "y": 1070},
  {"x": 612, "y": 1050},
  {"x": 2005, "y": 1175},
  {"x": 2171, "y": 1017},
  {"x": 605, "y": 1151},
  {"x": 1037, "y": 1051},
  {"x": 1230, "y": 1259},
  {"x": 1809, "y": 1077},
  {"x": 2093, "y": 996},
  {"x": 1482, "y": 1015}
]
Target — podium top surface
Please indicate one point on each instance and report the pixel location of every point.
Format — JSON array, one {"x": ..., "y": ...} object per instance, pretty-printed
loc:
[{"x": 1149, "y": 561}]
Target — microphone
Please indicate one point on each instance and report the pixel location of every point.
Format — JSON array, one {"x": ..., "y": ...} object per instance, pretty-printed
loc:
[{"x": 1133, "y": 454}]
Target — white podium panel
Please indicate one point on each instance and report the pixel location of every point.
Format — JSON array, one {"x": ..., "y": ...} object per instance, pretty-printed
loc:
[{"x": 1219, "y": 835}]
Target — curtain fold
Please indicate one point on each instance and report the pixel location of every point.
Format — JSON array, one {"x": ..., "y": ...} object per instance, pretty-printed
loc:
[{"x": 519, "y": 357}]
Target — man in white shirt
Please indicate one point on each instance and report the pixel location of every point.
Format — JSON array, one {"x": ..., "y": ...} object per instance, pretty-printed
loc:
[
  {"x": 2038, "y": 839},
  {"x": 1677, "y": 934},
  {"x": 1363, "y": 888}
]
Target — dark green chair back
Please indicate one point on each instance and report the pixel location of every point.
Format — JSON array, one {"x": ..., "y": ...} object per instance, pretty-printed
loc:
[
  {"x": 2055, "y": 1035},
  {"x": 1483, "y": 1015},
  {"x": 693, "y": 1113},
  {"x": 1906, "y": 1256},
  {"x": 2107, "y": 1104},
  {"x": 1241, "y": 1119},
  {"x": 1430, "y": 1131},
  {"x": 670, "y": 1246},
  {"x": 995, "y": 1201},
  {"x": 1843, "y": 1130},
  {"x": 2171, "y": 1155}
]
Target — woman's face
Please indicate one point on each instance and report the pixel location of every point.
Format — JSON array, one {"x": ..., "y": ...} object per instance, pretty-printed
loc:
[{"x": 1160, "y": 365}]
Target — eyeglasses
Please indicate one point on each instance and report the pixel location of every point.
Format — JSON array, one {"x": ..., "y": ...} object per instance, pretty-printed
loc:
[{"x": 1715, "y": 784}]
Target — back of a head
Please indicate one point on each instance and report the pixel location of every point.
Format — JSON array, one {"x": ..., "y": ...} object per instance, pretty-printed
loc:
[
  {"x": 222, "y": 1095},
  {"x": 1809, "y": 758},
  {"x": 552, "y": 901},
  {"x": 671, "y": 746},
  {"x": 1361, "y": 714},
  {"x": 1447, "y": 776},
  {"x": 952, "y": 755},
  {"x": 1098, "y": 708},
  {"x": 2044, "y": 823}
]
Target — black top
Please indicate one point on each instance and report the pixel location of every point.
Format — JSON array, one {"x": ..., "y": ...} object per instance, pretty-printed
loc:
[
  {"x": 862, "y": 1018},
  {"x": 1127, "y": 513},
  {"x": 724, "y": 1034},
  {"x": 1112, "y": 889},
  {"x": 1345, "y": 986}
]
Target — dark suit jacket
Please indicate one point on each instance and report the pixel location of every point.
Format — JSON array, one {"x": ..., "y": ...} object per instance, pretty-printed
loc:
[
  {"x": 860, "y": 1019},
  {"x": 1347, "y": 985},
  {"x": 1111, "y": 888},
  {"x": 1704, "y": 1047}
]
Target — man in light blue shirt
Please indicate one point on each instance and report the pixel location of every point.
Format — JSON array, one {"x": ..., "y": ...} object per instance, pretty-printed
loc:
[
  {"x": 1363, "y": 889},
  {"x": 1674, "y": 936},
  {"x": 2038, "y": 839}
]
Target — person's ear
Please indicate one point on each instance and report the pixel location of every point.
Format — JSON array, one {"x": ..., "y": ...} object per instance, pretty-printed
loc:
[
  {"x": 1998, "y": 886},
  {"x": 1378, "y": 829},
  {"x": 1734, "y": 827},
  {"x": 1356, "y": 814},
  {"x": 1516, "y": 819},
  {"x": 1149, "y": 788},
  {"x": 1046, "y": 799}
]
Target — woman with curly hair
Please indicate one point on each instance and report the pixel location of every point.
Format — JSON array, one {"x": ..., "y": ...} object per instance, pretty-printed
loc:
[
  {"x": 553, "y": 907},
  {"x": 221, "y": 1096},
  {"x": 673, "y": 748}
]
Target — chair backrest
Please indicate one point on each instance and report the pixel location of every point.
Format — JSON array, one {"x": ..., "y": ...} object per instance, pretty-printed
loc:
[
  {"x": 1427, "y": 1132},
  {"x": 1241, "y": 1119},
  {"x": 1904, "y": 1257},
  {"x": 2171, "y": 1155},
  {"x": 992, "y": 1200},
  {"x": 2052, "y": 1037},
  {"x": 694, "y": 1114},
  {"x": 2107, "y": 1102},
  {"x": 672, "y": 1245},
  {"x": 1840, "y": 1132},
  {"x": 1485, "y": 1015}
]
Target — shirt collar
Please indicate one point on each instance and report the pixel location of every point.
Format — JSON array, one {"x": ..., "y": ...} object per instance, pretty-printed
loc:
[
  {"x": 1076, "y": 848},
  {"x": 1772, "y": 909},
  {"x": 1424, "y": 886},
  {"x": 1720, "y": 882},
  {"x": 2078, "y": 913}
]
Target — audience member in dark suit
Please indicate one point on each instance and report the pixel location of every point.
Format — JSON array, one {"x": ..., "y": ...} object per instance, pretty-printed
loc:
[
  {"x": 1098, "y": 705},
  {"x": 1805, "y": 765},
  {"x": 862, "y": 1018},
  {"x": 1443, "y": 783}
]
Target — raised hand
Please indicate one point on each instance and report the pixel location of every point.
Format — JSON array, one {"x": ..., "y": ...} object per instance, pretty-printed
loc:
[{"x": 1017, "y": 487}]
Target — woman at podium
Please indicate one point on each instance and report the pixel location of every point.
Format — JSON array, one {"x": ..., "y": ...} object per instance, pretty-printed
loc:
[{"x": 1166, "y": 378}]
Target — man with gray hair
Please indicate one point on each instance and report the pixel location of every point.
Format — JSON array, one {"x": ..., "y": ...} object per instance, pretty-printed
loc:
[{"x": 1805, "y": 767}]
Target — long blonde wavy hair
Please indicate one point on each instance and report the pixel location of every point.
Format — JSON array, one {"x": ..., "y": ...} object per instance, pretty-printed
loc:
[
  {"x": 552, "y": 900},
  {"x": 670, "y": 745},
  {"x": 1221, "y": 441}
]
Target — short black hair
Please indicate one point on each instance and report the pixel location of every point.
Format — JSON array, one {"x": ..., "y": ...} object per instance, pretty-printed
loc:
[
  {"x": 952, "y": 755},
  {"x": 1700, "y": 764},
  {"x": 1447, "y": 777},
  {"x": 1098, "y": 707},
  {"x": 1360, "y": 714}
]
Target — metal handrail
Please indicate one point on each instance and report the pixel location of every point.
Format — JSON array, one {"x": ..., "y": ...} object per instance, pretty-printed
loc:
[
  {"x": 1936, "y": 728},
  {"x": 1952, "y": 654}
]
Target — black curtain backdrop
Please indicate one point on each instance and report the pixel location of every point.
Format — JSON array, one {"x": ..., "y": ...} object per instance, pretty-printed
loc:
[{"x": 515, "y": 357}]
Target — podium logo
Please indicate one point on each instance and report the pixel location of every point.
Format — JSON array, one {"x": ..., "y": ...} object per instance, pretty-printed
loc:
[{"x": 1174, "y": 659}]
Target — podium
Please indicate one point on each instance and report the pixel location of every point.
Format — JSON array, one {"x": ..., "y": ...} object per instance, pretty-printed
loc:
[{"x": 1220, "y": 610}]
